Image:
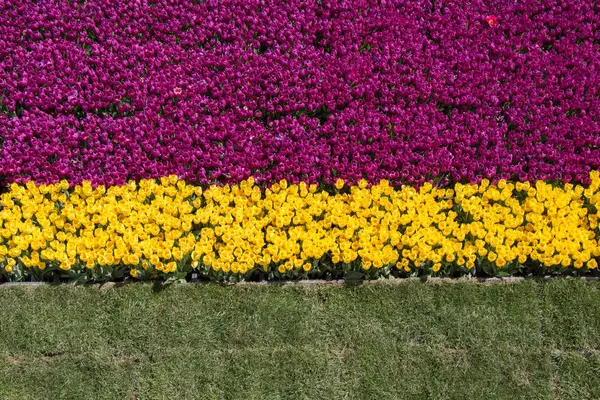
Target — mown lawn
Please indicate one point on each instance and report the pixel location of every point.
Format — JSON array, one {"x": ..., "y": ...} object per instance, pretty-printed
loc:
[{"x": 528, "y": 340}]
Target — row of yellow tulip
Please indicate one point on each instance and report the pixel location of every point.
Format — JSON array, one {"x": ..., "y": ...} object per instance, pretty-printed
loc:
[{"x": 165, "y": 226}]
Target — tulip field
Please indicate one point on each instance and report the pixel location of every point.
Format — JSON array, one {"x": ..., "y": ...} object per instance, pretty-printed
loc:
[
  {"x": 300, "y": 199},
  {"x": 252, "y": 140}
]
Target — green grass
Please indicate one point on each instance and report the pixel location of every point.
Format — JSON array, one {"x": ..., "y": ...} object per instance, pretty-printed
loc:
[{"x": 528, "y": 340}]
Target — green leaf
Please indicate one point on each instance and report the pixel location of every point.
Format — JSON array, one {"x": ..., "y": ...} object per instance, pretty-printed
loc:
[
  {"x": 488, "y": 268},
  {"x": 354, "y": 277}
]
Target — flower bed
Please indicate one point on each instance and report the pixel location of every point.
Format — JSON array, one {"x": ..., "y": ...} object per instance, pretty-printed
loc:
[
  {"x": 154, "y": 139},
  {"x": 168, "y": 228},
  {"x": 303, "y": 91}
]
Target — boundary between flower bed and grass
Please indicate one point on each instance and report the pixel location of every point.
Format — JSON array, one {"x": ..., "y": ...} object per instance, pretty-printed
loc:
[{"x": 317, "y": 282}]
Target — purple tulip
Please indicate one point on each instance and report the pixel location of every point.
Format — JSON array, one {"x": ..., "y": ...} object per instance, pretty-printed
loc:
[{"x": 131, "y": 90}]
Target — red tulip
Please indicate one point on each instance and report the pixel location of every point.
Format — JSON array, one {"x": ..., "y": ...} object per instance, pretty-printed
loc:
[{"x": 492, "y": 21}]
